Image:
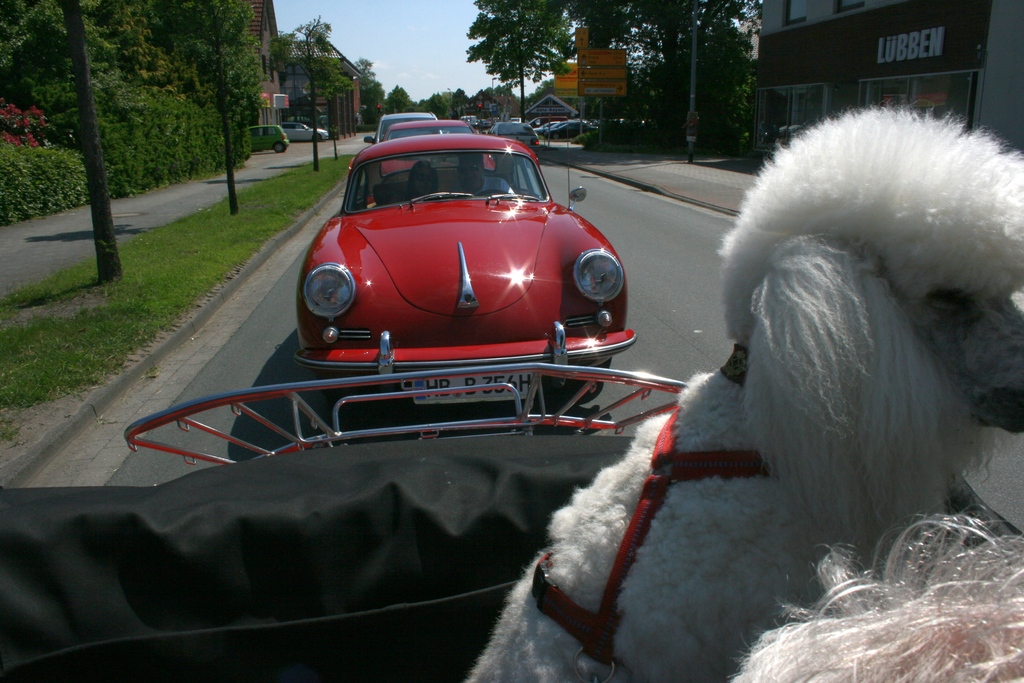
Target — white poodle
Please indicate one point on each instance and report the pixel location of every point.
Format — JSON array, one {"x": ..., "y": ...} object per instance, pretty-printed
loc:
[
  {"x": 869, "y": 281},
  {"x": 944, "y": 605}
]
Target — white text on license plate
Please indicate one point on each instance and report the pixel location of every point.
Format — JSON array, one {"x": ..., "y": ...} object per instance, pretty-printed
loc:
[{"x": 472, "y": 388}]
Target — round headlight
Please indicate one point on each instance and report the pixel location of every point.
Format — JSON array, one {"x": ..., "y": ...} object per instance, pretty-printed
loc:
[
  {"x": 329, "y": 290},
  {"x": 598, "y": 275}
]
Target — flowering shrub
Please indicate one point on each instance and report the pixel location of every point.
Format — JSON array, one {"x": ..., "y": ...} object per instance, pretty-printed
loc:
[{"x": 19, "y": 127}]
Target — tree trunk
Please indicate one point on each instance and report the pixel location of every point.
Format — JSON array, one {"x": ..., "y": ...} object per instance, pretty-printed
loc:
[
  {"x": 225, "y": 122},
  {"x": 108, "y": 262},
  {"x": 316, "y": 138}
]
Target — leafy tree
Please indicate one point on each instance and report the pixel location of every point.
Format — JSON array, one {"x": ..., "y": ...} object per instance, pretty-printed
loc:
[
  {"x": 546, "y": 86},
  {"x": 520, "y": 40},
  {"x": 657, "y": 37},
  {"x": 215, "y": 34},
  {"x": 108, "y": 261},
  {"x": 371, "y": 92},
  {"x": 459, "y": 103},
  {"x": 397, "y": 101},
  {"x": 439, "y": 104},
  {"x": 309, "y": 47}
]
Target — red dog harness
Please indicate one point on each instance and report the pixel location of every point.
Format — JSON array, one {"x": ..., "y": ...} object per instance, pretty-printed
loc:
[{"x": 596, "y": 632}]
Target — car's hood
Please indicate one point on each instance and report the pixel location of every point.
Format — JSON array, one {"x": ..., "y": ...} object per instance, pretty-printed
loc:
[{"x": 419, "y": 246}]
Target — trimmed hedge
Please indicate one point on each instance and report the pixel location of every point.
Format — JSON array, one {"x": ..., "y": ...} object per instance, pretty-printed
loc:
[
  {"x": 162, "y": 140},
  {"x": 158, "y": 140},
  {"x": 37, "y": 181}
]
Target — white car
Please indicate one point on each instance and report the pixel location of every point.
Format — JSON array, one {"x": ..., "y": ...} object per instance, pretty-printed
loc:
[
  {"x": 389, "y": 120},
  {"x": 300, "y": 132},
  {"x": 516, "y": 131}
]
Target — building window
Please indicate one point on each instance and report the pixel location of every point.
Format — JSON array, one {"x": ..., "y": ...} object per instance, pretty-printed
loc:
[
  {"x": 937, "y": 95},
  {"x": 843, "y": 5},
  {"x": 782, "y": 112},
  {"x": 796, "y": 11}
]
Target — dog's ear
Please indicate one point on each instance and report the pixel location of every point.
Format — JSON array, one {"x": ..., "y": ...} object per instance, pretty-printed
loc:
[
  {"x": 843, "y": 398},
  {"x": 811, "y": 342}
]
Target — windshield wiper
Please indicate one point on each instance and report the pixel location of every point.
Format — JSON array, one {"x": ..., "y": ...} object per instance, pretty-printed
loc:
[
  {"x": 513, "y": 195},
  {"x": 434, "y": 196}
]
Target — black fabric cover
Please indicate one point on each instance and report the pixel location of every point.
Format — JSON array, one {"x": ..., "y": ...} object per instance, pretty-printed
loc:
[{"x": 373, "y": 562}]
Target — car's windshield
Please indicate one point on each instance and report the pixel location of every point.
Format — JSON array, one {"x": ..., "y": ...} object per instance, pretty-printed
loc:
[
  {"x": 386, "y": 123},
  {"x": 443, "y": 175},
  {"x": 427, "y": 130}
]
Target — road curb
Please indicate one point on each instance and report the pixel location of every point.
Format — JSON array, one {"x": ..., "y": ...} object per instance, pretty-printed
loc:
[
  {"x": 647, "y": 187},
  {"x": 37, "y": 456},
  {"x": 640, "y": 185}
]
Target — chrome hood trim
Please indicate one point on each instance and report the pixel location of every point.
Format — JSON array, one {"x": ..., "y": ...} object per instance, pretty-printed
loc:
[{"x": 467, "y": 299}]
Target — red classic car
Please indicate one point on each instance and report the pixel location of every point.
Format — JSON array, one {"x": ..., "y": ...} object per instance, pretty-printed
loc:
[{"x": 449, "y": 252}]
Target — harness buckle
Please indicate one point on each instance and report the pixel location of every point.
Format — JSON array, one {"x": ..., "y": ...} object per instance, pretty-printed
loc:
[
  {"x": 541, "y": 583},
  {"x": 576, "y": 669}
]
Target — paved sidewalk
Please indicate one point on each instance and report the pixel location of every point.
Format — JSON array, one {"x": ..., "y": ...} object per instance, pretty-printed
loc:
[
  {"x": 716, "y": 183},
  {"x": 95, "y": 423},
  {"x": 39, "y": 247}
]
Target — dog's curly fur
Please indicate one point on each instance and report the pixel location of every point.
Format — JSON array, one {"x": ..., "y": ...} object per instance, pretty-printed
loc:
[{"x": 870, "y": 275}]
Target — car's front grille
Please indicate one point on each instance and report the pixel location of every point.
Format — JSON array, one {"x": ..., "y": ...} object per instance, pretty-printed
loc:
[
  {"x": 353, "y": 334},
  {"x": 581, "y": 321}
]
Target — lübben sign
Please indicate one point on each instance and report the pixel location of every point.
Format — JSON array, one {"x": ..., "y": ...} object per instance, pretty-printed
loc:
[{"x": 913, "y": 45}]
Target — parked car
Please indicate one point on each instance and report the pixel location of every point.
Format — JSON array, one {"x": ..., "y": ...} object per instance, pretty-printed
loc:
[
  {"x": 300, "y": 132},
  {"x": 429, "y": 127},
  {"x": 389, "y": 120},
  {"x": 568, "y": 129},
  {"x": 542, "y": 129},
  {"x": 444, "y": 275},
  {"x": 263, "y": 138},
  {"x": 516, "y": 131},
  {"x": 542, "y": 120}
]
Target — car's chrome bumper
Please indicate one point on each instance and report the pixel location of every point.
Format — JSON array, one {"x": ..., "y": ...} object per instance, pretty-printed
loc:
[{"x": 389, "y": 358}]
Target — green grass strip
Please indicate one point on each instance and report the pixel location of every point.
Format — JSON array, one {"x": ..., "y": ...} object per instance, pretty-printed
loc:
[{"x": 166, "y": 271}]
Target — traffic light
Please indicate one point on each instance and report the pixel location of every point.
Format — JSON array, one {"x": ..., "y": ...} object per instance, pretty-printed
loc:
[{"x": 378, "y": 107}]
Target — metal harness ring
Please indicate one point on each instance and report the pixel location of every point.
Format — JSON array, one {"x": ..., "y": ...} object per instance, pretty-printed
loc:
[{"x": 593, "y": 679}]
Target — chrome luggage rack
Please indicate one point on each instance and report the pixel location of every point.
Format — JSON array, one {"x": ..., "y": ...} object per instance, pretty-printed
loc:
[{"x": 240, "y": 425}]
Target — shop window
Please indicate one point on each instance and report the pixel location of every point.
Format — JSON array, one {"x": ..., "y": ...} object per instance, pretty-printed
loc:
[
  {"x": 937, "y": 95},
  {"x": 783, "y": 112},
  {"x": 796, "y": 11}
]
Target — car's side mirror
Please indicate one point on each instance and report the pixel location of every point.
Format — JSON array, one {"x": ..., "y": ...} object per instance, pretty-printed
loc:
[
  {"x": 577, "y": 195},
  {"x": 368, "y": 139}
]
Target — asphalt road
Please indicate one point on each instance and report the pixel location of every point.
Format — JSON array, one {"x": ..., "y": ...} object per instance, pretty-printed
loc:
[
  {"x": 252, "y": 339},
  {"x": 670, "y": 253}
]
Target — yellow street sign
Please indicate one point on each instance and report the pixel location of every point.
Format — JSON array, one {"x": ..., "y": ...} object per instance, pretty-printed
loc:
[
  {"x": 601, "y": 57},
  {"x": 602, "y": 73},
  {"x": 602, "y": 89},
  {"x": 582, "y": 37},
  {"x": 566, "y": 85}
]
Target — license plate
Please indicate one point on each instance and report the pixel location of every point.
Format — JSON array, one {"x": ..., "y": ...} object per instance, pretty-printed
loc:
[{"x": 471, "y": 388}]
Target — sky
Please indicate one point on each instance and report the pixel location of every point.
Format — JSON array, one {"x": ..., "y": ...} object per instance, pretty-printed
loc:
[{"x": 417, "y": 44}]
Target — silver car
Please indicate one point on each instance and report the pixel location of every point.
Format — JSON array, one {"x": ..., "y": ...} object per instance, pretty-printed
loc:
[
  {"x": 516, "y": 131},
  {"x": 300, "y": 132},
  {"x": 389, "y": 120}
]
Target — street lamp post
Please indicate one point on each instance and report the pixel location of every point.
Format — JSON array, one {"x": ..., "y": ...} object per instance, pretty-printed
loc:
[{"x": 693, "y": 84}]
